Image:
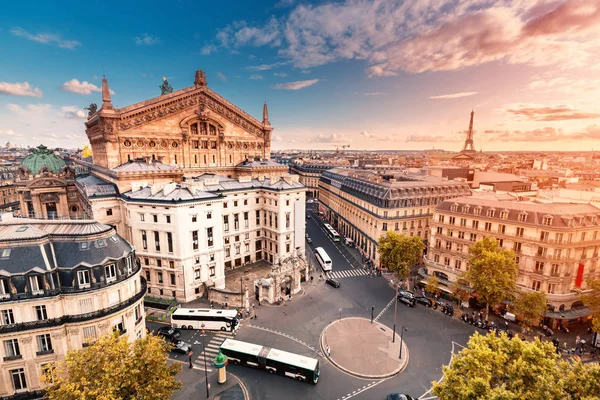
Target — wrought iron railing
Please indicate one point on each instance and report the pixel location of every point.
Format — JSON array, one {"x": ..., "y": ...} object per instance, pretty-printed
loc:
[
  {"x": 71, "y": 319},
  {"x": 34, "y": 394}
]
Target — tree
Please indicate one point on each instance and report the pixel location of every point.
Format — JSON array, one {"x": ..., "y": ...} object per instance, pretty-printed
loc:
[
  {"x": 496, "y": 367},
  {"x": 459, "y": 290},
  {"x": 115, "y": 368},
  {"x": 492, "y": 272},
  {"x": 432, "y": 284},
  {"x": 530, "y": 307},
  {"x": 399, "y": 253},
  {"x": 592, "y": 302}
]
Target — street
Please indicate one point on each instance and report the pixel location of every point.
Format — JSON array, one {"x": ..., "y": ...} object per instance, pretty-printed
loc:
[{"x": 296, "y": 326}]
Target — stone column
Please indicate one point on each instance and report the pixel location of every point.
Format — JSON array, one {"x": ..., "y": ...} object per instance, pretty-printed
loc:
[
  {"x": 62, "y": 206},
  {"x": 37, "y": 206}
]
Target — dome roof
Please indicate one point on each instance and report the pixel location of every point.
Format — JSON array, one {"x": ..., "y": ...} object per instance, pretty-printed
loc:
[{"x": 43, "y": 157}]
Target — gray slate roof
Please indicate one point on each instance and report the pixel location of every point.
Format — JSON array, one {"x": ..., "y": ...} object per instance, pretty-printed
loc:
[{"x": 94, "y": 186}]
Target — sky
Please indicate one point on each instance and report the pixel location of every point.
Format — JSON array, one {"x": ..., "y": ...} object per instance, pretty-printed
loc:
[{"x": 369, "y": 74}]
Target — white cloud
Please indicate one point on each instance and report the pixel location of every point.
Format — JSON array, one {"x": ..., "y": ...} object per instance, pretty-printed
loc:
[
  {"x": 419, "y": 36},
  {"x": 146, "y": 40},
  {"x": 565, "y": 84},
  {"x": 280, "y": 74},
  {"x": 305, "y": 71},
  {"x": 208, "y": 49},
  {"x": 331, "y": 138},
  {"x": 266, "y": 67},
  {"x": 374, "y": 94},
  {"x": 84, "y": 87},
  {"x": 221, "y": 76},
  {"x": 256, "y": 77},
  {"x": 72, "y": 112},
  {"x": 454, "y": 95},
  {"x": 380, "y": 138},
  {"x": 9, "y": 132},
  {"x": 277, "y": 138},
  {"x": 295, "y": 85},
  {"x": 30, "y": 109},
  {"x": 45, "y": 38},
  {"x": 19, "y": 89}
]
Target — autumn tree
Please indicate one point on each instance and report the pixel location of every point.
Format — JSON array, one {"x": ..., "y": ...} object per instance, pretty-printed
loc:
[
  {"x": 115, "y": 368},
  {"x": 492, "y": 272},
  {"x": 496, "y": 367},
  {"x": 592, "y": 302},
  {"x": 460, "y": 290},
  {"x": 399, "y": 253},
  {"x": 432, "y": 284},
  {"x": 530, "y": 307}
]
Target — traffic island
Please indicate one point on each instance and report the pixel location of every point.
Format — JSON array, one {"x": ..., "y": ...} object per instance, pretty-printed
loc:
[{"x": 363, "y": 349}]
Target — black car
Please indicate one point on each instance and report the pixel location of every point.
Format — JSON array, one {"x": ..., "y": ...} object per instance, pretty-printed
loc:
[
  {"x": 407, "y": 298},
  {"x": 332, "y": 282},
  {"x": 179, "y": 346},
  {"x": 424, "y": 300},
  {"x": 398, "y": 396},
  {"x": 168, "y": 332}
]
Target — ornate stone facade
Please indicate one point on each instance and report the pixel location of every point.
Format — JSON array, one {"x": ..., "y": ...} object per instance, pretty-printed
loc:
[{"x": 193, "y": 129}]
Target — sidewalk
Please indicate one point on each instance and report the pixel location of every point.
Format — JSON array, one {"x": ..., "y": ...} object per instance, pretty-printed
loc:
[
  {"x": 363, "y": 349},
  {"x": 194, "y": 386}
]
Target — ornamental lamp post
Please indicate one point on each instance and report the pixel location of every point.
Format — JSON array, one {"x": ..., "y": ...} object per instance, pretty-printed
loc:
[
  {"x": 205, "y": 366},
  {"x": 401, "y": 335},
  {"x": 220, "y": 363}
]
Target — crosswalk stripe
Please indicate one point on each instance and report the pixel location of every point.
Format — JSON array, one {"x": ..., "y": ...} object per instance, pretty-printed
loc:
[{"x": 212, "y": 346}]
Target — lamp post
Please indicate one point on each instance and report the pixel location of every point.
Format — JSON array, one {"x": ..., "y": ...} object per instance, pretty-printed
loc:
[
  {"x": 395, "y": 313},
  {"x": 340, "y": 314},
  {"x": 205, "y": 366},
  {"x": 372, "y": 311},
  {"x": 402, "y": 334}
]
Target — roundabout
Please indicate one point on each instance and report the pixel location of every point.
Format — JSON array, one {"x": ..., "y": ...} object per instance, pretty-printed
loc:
[{"x": 364, "y": 349}]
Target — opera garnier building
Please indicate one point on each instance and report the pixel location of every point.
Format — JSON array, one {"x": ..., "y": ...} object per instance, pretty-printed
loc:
[{"x": 63, "y": 284}]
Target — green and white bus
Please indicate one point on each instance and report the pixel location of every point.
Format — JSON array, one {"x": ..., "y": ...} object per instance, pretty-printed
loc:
[
  {"x": 332, "y": 233},
  {"x": 275, "y": 361}
]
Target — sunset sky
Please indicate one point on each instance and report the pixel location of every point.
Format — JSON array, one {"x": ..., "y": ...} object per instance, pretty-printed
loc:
[{"x": 371, "y": 74}]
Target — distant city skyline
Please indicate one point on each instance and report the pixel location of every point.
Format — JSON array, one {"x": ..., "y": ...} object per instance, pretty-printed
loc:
[{"x": 369, "y": 74}]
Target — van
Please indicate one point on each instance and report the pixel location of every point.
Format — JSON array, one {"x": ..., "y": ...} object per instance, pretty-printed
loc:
[{"x": 510, "y": 316}]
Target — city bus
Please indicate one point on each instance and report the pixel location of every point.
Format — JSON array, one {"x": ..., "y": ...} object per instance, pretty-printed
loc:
[
  {"x": 214, "y": 320},
  {"x": 323, "y": 259},
  {"x": 332, "y": 233},
  {"x": 275, "y": 361}
]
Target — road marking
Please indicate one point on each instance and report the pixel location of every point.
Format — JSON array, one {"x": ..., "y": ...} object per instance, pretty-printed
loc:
[
  {"x": 364, "y": 388},
  {"x": 385, "y": 309},
  {"x": 422, "y": 397},
  {"x": 289, "y": 337},
  {"x": 347, "y": 273}
]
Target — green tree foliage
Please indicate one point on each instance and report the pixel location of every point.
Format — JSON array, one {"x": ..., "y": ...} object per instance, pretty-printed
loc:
[
  {"x": 432, "y": 284},
  {"x": 592, "y": 301},
  {"x": 496, "y": 367},
  {"x": 492, "y": 272},
  {"x": 399, "y": 253},
  {"x": 530, "y": 307},
  {"x": 115, "y": 369}
]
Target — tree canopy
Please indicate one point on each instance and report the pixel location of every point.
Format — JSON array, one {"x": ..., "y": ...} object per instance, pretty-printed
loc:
[
  {"x": 113, "y": 368},
  {"x": 496, "y": 367},
  {"x": 432, "y": 284},
  {"x": 459, "y": 289},
  {"x": 492, "y": 272},
  {"x": 530, "y": 307},
  {"x": 399, "y": 253},
  {"x": 592, "y": 302}
]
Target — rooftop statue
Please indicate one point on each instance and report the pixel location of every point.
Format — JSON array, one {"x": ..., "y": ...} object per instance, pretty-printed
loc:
[
  {"x": 92, "y": 108},
  {"x": 165, "y": 88}
]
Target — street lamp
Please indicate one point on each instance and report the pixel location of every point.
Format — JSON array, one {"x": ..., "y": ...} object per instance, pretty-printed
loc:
[
  {"x": 395, "y": 313},
  {"x": 205, "y": 366},
  {"x": 402, "y": 334}
]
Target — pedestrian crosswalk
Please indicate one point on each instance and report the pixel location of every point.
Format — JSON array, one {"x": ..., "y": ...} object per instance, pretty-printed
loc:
[
  {"x": 347, "y": 273},
  {"x": 211, "y": 350}
]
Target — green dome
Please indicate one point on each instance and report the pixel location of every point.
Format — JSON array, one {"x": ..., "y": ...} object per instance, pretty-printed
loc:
[{"x": 43, "y": 157}]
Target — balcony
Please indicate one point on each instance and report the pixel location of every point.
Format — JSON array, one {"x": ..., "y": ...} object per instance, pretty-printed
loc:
[
  {"x": 44, "y": 352},
  {"x": 12, "y": 358},
  {"x": 71, "y": 319}
]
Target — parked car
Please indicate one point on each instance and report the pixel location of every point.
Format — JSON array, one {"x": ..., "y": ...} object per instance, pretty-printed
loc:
[
  {"x": 308, "y": 217},
  {"x": 309, "y": 240},
  {"x": 424, "y": 300},
  {"x": 179, "y": 346},
  {"x": 407, "y": 298},
  {"x": 168, "y": 332},
  {"x": 398, "y": 396},
  {"x": 332, "y": 282}
]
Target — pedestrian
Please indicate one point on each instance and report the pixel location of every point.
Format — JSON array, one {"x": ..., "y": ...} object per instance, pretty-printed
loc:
[
  {"x": 577, "y": 340},
  {"x": 211, "y": 304},
  {"x": 190, "y": 359},
  {"x": 328, "y": 351}
]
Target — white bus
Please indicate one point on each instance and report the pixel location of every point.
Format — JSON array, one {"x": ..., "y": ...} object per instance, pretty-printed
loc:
[
  {"x": 332, "y": 232},
  {"x": 323, "y": 259},
  {"x": 275, "y": 361},
  {"x": 213, "y": 320}
]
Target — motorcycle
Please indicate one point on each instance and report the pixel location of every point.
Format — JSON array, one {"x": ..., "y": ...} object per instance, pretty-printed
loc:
[{"x": 449, "y": 310}]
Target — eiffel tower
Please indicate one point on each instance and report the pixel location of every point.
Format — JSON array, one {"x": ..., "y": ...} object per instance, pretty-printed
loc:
[{"x": 469, "y": 147}]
